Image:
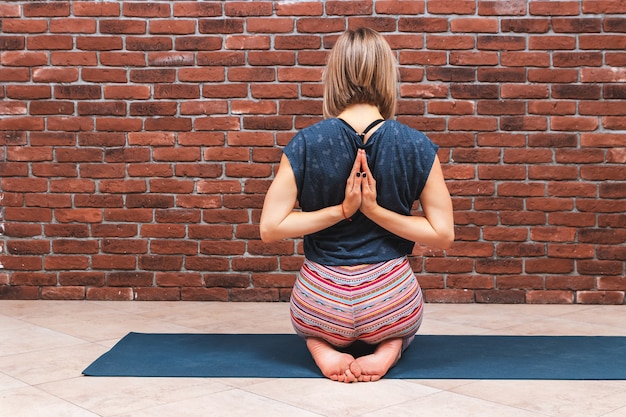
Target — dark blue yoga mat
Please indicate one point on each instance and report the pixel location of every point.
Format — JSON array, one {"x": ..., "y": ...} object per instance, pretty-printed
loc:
[{"x": 429, "y": 357}]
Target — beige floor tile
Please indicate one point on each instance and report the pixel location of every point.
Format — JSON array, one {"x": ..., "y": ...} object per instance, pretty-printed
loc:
[
  {"x": 442, "y": 384},
  {"x": 334, "y": 399},
  {"x": 558, "y": 399},
  {"x": 7, "y": 382},
  {"x": 231, "y": 403},
  {"x": 448, "y": 404},
  {"x": 51, "y": 364},
  {"x": 609, "y": 316},
  {"x": 620, "y": 412},
  {"x": 126, "y": 395},
  {"x": 227, "y": 317},
  {"x": 492, "y": 317},
  {"x": 31, "y": 402},
  {"x": 434, "y": 326},
  {"x": 7, "y": 323},
  {"x": 559, "y": 326},
  {"x": 31, "y": 338}
]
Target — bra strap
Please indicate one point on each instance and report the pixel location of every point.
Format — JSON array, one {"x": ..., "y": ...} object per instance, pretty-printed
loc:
[
  {"x": 371, "y": 126},
  {"x": 367, "y": 129}
]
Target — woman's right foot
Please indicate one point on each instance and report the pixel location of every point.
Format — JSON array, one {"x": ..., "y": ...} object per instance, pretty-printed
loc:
[{"x": 334, "y": 365}]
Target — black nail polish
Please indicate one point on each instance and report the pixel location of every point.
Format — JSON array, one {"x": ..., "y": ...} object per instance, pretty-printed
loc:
[
  {"x": 358, "y": 174},
  {"x": 364, "y": 175}
]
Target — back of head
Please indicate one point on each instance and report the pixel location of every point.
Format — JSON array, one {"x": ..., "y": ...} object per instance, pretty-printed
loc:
[{"x": 361, "y": 69}]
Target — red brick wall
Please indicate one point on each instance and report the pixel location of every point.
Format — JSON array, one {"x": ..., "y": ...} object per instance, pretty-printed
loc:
[{"x": 138, "y": 140}]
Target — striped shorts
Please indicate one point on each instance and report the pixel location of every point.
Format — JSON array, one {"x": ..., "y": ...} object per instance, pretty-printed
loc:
[{"x": 370, "y": 303}]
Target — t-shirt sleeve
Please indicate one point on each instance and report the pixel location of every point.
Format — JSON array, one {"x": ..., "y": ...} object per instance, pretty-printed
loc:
[
  {"x": 295, "y": 151},
  {"x": 427, "y": 151}
]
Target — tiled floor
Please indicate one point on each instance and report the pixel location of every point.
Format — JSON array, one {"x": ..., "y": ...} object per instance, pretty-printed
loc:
[{"x": 44, "y": 346}]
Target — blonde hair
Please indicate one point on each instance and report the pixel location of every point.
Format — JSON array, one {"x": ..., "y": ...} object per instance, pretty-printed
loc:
[{"x": 361, "y": 69}]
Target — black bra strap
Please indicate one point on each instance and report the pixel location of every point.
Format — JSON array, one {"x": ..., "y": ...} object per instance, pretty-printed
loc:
[{"x": 367, "y": 129}]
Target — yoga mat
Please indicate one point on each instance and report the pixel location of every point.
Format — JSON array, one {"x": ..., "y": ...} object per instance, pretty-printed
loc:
[{"x": 429, "y": 357}]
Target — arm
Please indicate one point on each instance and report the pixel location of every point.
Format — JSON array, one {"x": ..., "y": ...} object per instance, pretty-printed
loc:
[
  {"x": 280, "y": 221},
  {"x": 435, "y": 228}
]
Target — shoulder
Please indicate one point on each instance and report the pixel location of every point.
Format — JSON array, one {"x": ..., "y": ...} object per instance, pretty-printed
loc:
[
  {"x": 405, "y": 130},
  {"x": 405, "y": 135},
  {"x": 319, "y": 127},
  {"x": 316, "y": 134}
]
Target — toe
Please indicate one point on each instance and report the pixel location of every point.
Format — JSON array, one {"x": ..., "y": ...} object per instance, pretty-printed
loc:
[{"x": 355, "y": 369}]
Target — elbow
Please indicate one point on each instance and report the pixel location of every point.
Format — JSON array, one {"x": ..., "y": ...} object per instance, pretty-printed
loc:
[
  {"x": 266, "y": 234},
  {"x": 446, "y": 239}
]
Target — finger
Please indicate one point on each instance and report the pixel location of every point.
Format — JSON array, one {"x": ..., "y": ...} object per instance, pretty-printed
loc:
[
  {"x": 364, "y": 166},
  {"x": 356, "y": 167}
]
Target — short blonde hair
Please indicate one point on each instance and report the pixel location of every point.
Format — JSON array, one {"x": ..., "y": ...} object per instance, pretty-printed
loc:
[{"x": 361, "y": 69}]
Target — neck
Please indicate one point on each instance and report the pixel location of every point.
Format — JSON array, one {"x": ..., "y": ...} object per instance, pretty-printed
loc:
[{"x": 359, "y": 116}]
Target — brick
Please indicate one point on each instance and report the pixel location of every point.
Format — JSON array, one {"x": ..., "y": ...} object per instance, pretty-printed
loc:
[
  {"x": 516, "y": 282},
  {"x": 110, "y": 294},
  {"x": 551, "y": 107},
  {"x": 602, "y": 42},
  {"x": 173, "y": 279},
  {"x": 552, "y": 43},
  {"x": 498, "y": 8},
  {"x": 576, "y": 25},
  {"x": 603, "y": 6},
  {"x": 146, "y": 9},
  {"x": 192, "y": 9},
  {"x": 24, "y": 25},
  {"x": 500, "y": 296},
  {"x": 554, "y": 8},
  {"x": 448, "y": 42},
  {"x": 126, "y": 26},
  {"x": 474, "y": 25},
  {"x": 525, "y": 59},
  {"x": 501, "y": 43},
  {"x": 575, "y": 92},
  {"x": 254, "y": 294},
  {"x": 600, "y": 297},
  {"x": 403, "y": 7},
  {"x": 525, "y": 25},
  {"x": 448, "y": 296},
  {"x": 85, "y": 8},
  {"x": 550, "y": 297},
  {"x": 473, "y": 58},
  {"x": 451, "y": 7},
  {"x": 173, "y": 27},
  {"x": 23, "y": 59},
  {"x": 423, "y": 24},
  {"x": 305, "y": 8},
  {"x": 599, "y": 267},
  {"x": 605, "y": 75},
  {"x": 613, "y": 24},
  {"x": 608, "y": 283},
  {"x": 157, "y": 294},
  {"x": 204, "y": 294}
]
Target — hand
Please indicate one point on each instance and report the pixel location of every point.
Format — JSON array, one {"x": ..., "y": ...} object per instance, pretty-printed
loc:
[
  {"x": 368, "y": 185},
  {"x": 352, "y": 200}
]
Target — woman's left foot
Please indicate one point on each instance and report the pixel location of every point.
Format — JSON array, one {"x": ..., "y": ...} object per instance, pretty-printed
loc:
[{"x": 373, "y": 367}]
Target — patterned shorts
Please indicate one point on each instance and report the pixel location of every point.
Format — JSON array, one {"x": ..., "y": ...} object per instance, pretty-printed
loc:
[{"x": 370, "y": 303}]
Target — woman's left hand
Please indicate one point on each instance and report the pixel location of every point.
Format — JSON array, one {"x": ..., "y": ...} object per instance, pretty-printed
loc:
[{"x": 368, "y": 186}]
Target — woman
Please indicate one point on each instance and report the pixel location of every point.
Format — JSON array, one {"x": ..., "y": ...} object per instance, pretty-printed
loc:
[{"x": 356, "y": 175}]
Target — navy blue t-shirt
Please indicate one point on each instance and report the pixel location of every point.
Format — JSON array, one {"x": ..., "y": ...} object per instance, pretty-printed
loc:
[{"x": 322, "y": 155}]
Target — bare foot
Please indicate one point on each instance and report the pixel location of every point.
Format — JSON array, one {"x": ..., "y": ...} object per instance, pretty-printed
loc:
[
  {"x": 334, "y": 365},
  {"x": 373, "y": 367}
]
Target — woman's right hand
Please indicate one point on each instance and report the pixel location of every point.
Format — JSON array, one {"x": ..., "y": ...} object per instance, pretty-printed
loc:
[{"x": 352, "y": 199}]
